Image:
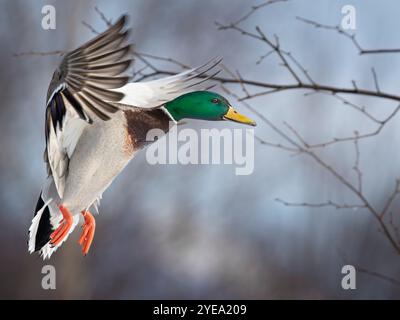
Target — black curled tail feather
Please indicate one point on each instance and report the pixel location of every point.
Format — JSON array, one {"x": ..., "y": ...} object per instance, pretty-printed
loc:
[{"x": 41, "y": 228}]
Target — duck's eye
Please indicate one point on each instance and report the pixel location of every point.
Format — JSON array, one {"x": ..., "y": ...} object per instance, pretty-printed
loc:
[{"x": 215, "y": 100}]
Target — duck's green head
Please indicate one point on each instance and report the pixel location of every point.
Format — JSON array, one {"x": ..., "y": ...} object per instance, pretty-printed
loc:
[{"x": 204, "y": 105}]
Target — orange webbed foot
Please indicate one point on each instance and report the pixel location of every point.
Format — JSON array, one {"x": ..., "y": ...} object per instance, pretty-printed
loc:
[
  {"x": 65, "y": 225},
  {"x": 87, "y": 236}
]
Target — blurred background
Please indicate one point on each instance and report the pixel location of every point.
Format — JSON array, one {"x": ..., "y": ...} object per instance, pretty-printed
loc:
[{"x": 200, "y": 231}]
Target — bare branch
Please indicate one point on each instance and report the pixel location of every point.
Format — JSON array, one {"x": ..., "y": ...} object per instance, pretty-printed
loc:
[
  {"x": 276, "y": 47},
  {"x": 108, "y": 22},
  {"x": 392, "y": 197},
  {"x": 40, "y": 53},
  {"x": 300, "y": 66},
  {"x": 318, "y": 87},
  {"x": 378, "y": 275},
  {"x": 87, "y": 25},
  {"x": 351, "y": 37},
  {"x": 382, "y": 124},
  {"x": 353, "y": 82},
  {"x": 264, "y": 56},
  {"x": 394, "y": 226},
  {"x": 375, "y": 80},
  {"x": 297, "y": 134},
  {"x": 329, "y": 203},
  {"x": 361, "y": 109},
  {"x": 273, "y": 87},
  {"x": 261, "y": 140},
  {"x": 170, "y": 60},
  {"x": 356, "y": 166},
  {"x": 302, "y": 149},
  {"x": 274, "y": 145},
  {"x": 253, "y": 9}
]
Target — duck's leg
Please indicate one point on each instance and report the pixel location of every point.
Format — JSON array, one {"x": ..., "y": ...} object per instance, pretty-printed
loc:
[
  {"x": 89, "y": 227},
  {"x": 65, "y": 225}
]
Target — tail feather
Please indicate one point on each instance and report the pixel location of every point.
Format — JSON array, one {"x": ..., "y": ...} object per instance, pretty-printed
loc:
[
  {"x": 47, "y": 218},
  {"x": 48, "y": 249},
  {"x": 40, "y": 229}
]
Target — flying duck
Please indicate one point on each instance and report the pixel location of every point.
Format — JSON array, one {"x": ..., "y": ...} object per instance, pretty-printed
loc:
[{"x": 95, "y": 123}]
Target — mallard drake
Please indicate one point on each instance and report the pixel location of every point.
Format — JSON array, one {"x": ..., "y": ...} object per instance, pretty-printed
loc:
[{"x": 95, "y": 123}]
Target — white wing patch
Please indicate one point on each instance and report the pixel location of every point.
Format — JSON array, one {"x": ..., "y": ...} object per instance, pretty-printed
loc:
[{"x": 154, "y": 93}]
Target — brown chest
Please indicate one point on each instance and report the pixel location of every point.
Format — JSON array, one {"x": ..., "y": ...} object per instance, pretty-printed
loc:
[{"x": 138, "y": 123}]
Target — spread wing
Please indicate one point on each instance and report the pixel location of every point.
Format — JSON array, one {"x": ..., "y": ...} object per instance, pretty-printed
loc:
[
  {"x": 81, "y": 92},
  {"x": 154, "y": 93}
]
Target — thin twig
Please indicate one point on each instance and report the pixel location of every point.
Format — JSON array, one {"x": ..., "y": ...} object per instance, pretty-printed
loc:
[
  {"x": 329, "y": 203},
  {"x": 253, "y": 9},
  {"x": 382, "y": 124},
  {"x": 40, "y": 53},
  {"x": 378, "y": 275},
  {"x": 108, "y": 22},
  {"x": 375, "y": 77},
  {"x": 87, "y": 25},
  {"x": 356, "y": 166},
  {"x": 390, "y": 200},
  {"x": 350, "y": 36}
]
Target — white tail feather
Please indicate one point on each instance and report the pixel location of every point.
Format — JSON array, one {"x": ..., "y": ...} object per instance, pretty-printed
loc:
[
  {"x": 48, "y": 249},
  {"x": 49, "y": 199}
]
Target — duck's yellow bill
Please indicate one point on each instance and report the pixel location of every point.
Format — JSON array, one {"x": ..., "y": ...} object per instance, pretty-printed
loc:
[{"x": 233, "y": 115}]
